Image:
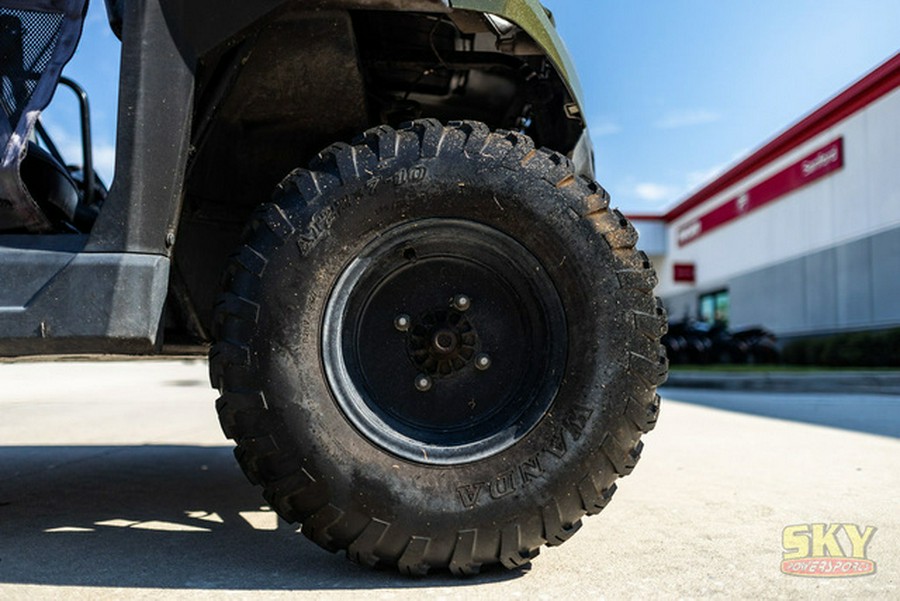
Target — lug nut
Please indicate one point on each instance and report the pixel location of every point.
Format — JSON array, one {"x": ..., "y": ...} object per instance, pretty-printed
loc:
[
  {"x": 402, "y": 322},
  {"x": 482, "y": 361},
  {"x": 423, "y": 383},
  {"x": 461, "y": 302}
]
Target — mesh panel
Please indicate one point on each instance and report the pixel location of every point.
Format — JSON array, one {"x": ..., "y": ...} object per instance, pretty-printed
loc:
[{"x": 27, "y": 41}]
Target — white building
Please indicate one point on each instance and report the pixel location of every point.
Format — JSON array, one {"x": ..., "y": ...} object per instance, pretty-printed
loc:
[{"x": 803, "y": 235}]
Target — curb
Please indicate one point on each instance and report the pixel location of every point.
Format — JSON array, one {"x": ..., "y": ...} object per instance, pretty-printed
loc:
[{"x": 865, "y": 382}]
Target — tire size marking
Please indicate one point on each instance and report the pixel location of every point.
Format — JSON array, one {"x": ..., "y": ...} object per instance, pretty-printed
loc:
[
  {"x": 508, "y": 482},
  {"x": 403, "y": 176},
  {"x": 322, "y": 220}
]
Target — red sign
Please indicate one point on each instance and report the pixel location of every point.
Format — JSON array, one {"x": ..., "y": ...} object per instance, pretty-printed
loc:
[
  {"x": 817, "y": 164},
  {"x": 685, "y": 272}
]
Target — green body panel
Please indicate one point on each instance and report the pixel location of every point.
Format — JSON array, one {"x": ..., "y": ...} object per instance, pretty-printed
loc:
[{"x": 533, "y": 19}]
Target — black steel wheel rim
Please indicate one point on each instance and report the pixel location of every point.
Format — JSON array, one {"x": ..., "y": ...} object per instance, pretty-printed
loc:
[{"x": 444, "y": 341}]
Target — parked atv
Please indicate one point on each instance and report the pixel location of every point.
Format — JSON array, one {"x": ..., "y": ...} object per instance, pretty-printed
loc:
[{"x": 436, "y": 346}]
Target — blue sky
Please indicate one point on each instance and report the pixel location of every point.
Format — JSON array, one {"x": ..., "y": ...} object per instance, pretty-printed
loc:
[
  {"x": 675, "y": 90},
  {"x": 678, "y": 90}
]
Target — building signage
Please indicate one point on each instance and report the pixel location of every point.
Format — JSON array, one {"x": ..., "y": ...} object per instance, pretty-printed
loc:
[
  {"x": 815, "y": 165},
  {"x": 685, "y": 272}
]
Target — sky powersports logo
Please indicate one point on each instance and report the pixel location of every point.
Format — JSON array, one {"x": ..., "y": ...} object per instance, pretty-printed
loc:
[{"x": 826, "y": 550}]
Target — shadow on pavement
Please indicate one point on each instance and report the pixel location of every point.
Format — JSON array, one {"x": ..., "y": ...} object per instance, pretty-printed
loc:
[
  {"x": 161, "y": 517},
  {"x": 869, "y": 413}
]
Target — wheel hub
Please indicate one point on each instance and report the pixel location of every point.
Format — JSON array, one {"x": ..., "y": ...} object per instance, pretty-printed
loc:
[{"x": 444, "y": 341}]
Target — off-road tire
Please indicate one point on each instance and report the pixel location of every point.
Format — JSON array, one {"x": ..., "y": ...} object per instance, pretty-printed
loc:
[{"x": 351, "y": 493}]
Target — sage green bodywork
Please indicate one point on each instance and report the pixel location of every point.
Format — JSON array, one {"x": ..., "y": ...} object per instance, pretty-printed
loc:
[{"x": 534, "y": 20}]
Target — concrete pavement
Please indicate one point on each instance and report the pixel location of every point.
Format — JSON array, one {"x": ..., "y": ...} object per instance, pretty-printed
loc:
[
  {"x": 116, "y": 483},
  {"x": 872, "y": 381},
  {"x": 871, "y": 413}
]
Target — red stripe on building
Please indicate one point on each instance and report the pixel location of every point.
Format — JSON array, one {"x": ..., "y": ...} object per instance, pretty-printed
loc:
[{"x": 813, "y": 166}]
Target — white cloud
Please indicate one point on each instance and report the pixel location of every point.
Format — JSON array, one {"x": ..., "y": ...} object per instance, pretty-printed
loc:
[
  {"x": 105, "y": 161},
  {"x": 687, "y": 118},
  {"x": 655, "y": 193},
  {"x": 655, "y": 196},
  {"x": 697, "y": 178},
  {"x": 700, "y": 177},
  {"x": 604, "y": 128}
]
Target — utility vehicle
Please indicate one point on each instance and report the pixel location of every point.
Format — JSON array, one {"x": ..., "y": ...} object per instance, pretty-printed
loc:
[{"x": 435, "y": 344}]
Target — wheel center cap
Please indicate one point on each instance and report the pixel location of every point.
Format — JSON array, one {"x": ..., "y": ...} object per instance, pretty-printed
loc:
[{"x": 445, "y": 341}]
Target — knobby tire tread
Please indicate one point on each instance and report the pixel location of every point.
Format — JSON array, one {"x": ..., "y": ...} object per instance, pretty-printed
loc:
[{"x": 246, "y": 418}]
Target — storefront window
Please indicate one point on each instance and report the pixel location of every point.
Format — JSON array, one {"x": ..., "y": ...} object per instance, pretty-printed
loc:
[{"x": 714, "y": 307}]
